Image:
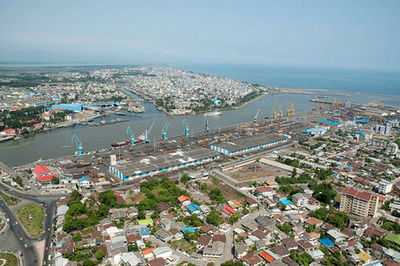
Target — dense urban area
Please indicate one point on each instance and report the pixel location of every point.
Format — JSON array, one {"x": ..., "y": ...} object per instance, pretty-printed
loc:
[{"x": 315, "y": 188}]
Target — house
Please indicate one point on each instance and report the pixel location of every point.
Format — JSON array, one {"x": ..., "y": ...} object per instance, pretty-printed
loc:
[
  {"x": 184, "y": 200},
  {"x": 127, "y": 258},
  {"x": 264, "y": 191},
  {"x": 300, "y": 199},
  {"x": 267, "y": 257},
  {"x": 312, "y": 237},
  {"x": 203, "y": 241},
  {"x": 176, "y": 234},
  {"x": 289, "y": 243},
  {"x": 378, "y": 249},
  {"x": 205, "y": 209},
  {"x": 193, "y": 208},
  {"x": 215, "y": 251},
  {"x": 316, "y": 254},
  {"x": 157, "y": 262},
  {"x": 281, "y": 250},
  {"x": 314, "y": 221},
  {"x": 392, "y": 254},
  {"x": 240, "y": 250},
  {"x": 163, "y": 235},
  {"x": 259, "y": 234},
  {"x": 163, "y": 206},
  {"x": 84, "y": 181},
  {"x": 162, "y": 252},
  {"x": 251, "y": 203},
  {"x": 148, "y": 253},
  {"x": 219, "y": 238},
  {"x": 43, "y": 174},
  {"x": 251, "y": 259},
  {"x": 305, "y": 245},
  {"x": 336, "y": 236}
]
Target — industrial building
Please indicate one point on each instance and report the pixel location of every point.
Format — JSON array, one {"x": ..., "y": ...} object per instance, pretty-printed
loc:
[
  {"x": 74, "y": 107},
  {"x": 139, "y": 167},
  {"x": 250, "y": 144}
]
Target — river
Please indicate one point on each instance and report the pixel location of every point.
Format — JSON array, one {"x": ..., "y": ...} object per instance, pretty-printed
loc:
[{"x": 57, "y": 143}]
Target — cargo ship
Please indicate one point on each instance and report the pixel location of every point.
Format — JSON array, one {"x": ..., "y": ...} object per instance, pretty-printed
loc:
[{"x": 140, "y": 139}]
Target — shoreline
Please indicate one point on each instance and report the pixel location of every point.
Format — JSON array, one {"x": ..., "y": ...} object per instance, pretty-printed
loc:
[{"x": 332, "y": 91}]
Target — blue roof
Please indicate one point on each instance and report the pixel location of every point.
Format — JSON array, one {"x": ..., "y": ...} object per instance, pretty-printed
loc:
[
  {"x": 326, "y": 242},
  {"x": 68, "y": 106},
  {"x": 362, "y": 120},
  {"x": 360, "y": 133},
  {"x": 193, "y": 207},
  {"x": 315, "y": 129},
  {"x": 329, "y": 122},
  {"x": 286, "y": 201},
  {"x": 144, "y": 231},
  {"x": 84, "y": 178},
  {"x": 190, "y": 229}
]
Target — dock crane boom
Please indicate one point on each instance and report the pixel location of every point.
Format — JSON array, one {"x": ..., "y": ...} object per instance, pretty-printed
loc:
[
  {"x": 130, "y": 136},
  {"x": 206, "y": 128},
  {"x": 77, "y": 143},
  {"x": 255, "y": 117},
  {"x": 164, "y": 130},
  {"x": 274, "y": 113},
  {"x": 185, "y": 127},
  {"x": 147, "y": 133}
]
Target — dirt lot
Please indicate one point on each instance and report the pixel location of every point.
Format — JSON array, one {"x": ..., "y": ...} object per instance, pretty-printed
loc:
[
  {"x": 228, "y": 192},
  {"x": 256, "y": 170}
]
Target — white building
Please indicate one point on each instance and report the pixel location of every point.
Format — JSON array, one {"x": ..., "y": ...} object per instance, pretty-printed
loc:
[
  {"x": 300, "y": 199},
  {"x": 385, "y": 186}
]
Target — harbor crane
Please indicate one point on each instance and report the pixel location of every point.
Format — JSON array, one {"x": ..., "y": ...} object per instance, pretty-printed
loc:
[
  {"x": 280, "y": 111},
  {"x": 255, "y": 117},
  {"x": 185, "y": 127},
  {"x": 206, "y": 128},
  {"x": 130, "y": 136},
  {"x": 147, "y": 133},
  {"x": 78, "y": 144},
  {"x": 290, "y": 110},
  {"x": 164, "y": 130},
  {"x": 274, "y": 113}
]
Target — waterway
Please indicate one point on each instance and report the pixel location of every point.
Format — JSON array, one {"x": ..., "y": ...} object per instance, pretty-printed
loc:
[{"x": 57, "y": 143}]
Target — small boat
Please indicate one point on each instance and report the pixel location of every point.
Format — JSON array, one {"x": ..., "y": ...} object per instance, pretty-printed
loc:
[{"x": 214, "y": 113}]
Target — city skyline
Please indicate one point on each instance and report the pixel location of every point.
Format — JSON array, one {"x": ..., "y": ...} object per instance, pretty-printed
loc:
[{"x": 359, "y": 35}]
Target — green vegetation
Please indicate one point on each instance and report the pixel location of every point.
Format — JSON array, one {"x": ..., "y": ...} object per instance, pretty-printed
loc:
[
  {"x": 331, "y": 216},
  {"x": 10, "y": 259},
  {"x": 216, "y": 195},
  {"x": 77, "y": 208},
  {"x": 286, "y": 227},
  {"x": 323, "y": 192},
  {"x": 303, "y": 178},
  {"x": 16, "y": 119},
  {"x": 393, "y": 238},
  {"x": 390, "y": 226},
  {"x": 214, "y": 218},
  {"x": 192, "y": 220},
  {"x": 10, "y": 201},
  {"x": 302, "y": 258},
  {"x": 156, "y": 190},
  {"x": 234, "y": 218},
  {"x": 32, "y": 218},
  {"x": 166, "y": 103}
]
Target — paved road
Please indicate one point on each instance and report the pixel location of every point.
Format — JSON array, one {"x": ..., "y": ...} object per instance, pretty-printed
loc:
[{"x": 49, "y": 203}]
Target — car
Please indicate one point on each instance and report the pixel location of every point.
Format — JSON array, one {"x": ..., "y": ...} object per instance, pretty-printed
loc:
[
  {"x": 21, "y": 238},
  {"x": 47, "y": 248},
  {"x": 48, "y": 229},
  {"x": 26, "y": 245}
]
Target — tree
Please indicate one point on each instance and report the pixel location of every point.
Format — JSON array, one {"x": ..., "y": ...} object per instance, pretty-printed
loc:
[
  {"x": 99, "y": 255},
  {"x": 55, "y": 180},
  {"x": 324, "y": 192},
  {"x": 213, "y": 218},
  {"x": 108, "y": 198},
  {"x": 185, "y": 178},
  {"x": 234, "y": 218},
  {"x": 232, "y": 263}
]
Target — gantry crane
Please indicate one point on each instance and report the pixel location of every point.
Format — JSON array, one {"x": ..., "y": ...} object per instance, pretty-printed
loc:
[
  {"x": 75, "y": 140},
  {"x": 280, "y": 111},
  {"x": 290, "y": 110},
  {"x": 164, "y": 130},
  {"x": 274, "y": 113},
  {"x": 130, "y": 136},
  {"x": 185, "y": 127}
]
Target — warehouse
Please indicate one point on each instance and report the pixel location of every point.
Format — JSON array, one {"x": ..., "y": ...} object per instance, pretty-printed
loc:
[
  {"x": 251, "y": 144},
  {"x": 139, "y": 167}
]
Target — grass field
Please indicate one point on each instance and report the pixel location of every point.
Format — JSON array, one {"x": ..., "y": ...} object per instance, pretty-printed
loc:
[
  {"x": 10, "y": 259},
  {"x": 32, "y": 218},
  {"x": 9, "y": 200}
]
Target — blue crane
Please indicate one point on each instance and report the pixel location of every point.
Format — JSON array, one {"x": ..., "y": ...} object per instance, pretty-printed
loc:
[
  {"x": 148, "y": 131},
  {"x": 77, "y": 143},
  {"x": 164, "y": 130},
  {"x": 185, "y": 127},
  {"x": 130, "y": 135}
]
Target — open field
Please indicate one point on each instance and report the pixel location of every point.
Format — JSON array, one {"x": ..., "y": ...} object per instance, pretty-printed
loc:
[
  {"x": 32, "y": 218},
  {"x": 8, "y": 259},
  {"x": 228, "y": 192}
]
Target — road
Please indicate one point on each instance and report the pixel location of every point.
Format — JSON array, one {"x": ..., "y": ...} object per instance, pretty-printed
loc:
[{"x": 49, "y": 204}]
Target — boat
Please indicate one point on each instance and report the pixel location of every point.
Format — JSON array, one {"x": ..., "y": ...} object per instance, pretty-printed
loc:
[
  {"x": 214, "y": 113},
  {"x": 140, "y": 139}
]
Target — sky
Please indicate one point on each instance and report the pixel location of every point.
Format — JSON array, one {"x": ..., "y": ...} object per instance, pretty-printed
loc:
[{"x": 358, "y": 34}]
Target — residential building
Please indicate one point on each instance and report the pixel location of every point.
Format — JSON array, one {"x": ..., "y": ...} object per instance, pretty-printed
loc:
[{"x": 361, "y": 203}]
